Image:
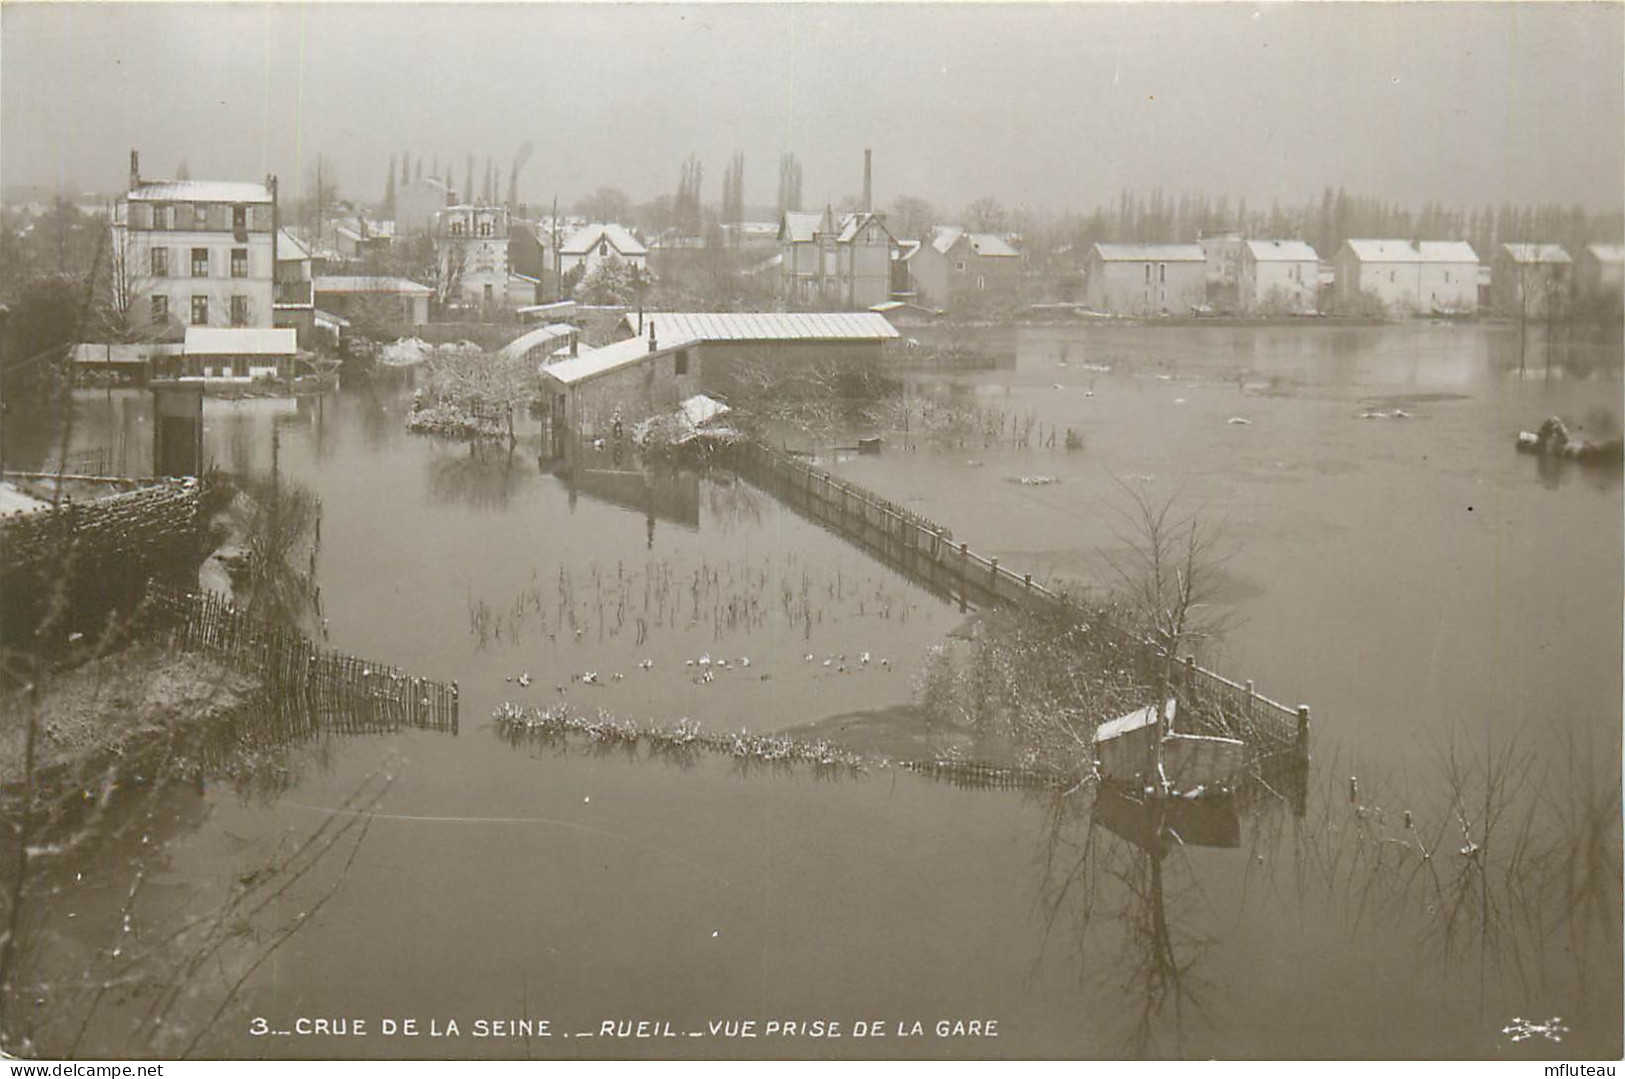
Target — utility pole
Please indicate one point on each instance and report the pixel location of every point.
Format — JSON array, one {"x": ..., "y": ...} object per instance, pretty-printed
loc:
[{"x": 553, "y": 225}]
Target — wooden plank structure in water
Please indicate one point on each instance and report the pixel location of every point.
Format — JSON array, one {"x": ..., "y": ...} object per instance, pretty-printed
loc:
[
  {"x": 1126, "y": 754},
  {"x": 926, "y": 552},
  {"x": 352, "y": 695}
]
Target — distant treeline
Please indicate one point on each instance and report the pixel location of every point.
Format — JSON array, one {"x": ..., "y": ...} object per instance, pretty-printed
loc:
[{"x": 1324, "y": 222}]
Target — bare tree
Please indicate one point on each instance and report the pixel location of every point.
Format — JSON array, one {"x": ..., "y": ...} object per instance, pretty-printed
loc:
[
  {"x": 605, "y": 204},
  {"x": 733, "y": 190},
  {"x": 322, "y": 195},
  {"x": 687, "y": 204},
  {"x": 1167, "y": 576},
  {"x": 911, "y": 217},
  {"x": 126, "y": 284},
  {"x": 789, "y": 183},
  {"x": 986, "y": 215},
  {"x": 449, "y": 266}
]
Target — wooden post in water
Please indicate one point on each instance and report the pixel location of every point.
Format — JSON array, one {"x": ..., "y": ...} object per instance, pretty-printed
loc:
[
  {"x": 964, "y": 574},
  {"x": 993, "y": 579},
  {"x": 1303, "y": 732}
]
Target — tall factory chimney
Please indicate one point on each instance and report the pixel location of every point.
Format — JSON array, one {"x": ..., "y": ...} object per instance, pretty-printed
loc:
[{"x": 868, "y": 181}]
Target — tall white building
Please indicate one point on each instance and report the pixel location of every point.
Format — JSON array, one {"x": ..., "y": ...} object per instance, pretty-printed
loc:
[
  {"x": 471, "y": 246},
  {"x": 195, "y": 252},
  {"x": 1277, "y": 277}
]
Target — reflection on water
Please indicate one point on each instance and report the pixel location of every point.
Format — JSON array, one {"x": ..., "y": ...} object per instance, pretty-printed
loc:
[
  {"x": 116, "y": 953},
  {"x": 1411, "y": 578}
]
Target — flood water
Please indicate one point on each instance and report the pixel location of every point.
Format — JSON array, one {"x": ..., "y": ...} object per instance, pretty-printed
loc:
[{"x": 1413, "y": 579}]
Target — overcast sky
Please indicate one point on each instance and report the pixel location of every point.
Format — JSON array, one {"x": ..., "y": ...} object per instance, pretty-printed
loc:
[{"x": 1043, "y": 106}]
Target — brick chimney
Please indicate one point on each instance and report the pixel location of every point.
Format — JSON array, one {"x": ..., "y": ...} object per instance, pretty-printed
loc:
[{"x": 652, "y": 345}]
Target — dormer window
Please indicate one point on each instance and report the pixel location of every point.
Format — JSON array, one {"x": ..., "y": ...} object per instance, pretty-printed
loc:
[{"x": 603, "y": 248}]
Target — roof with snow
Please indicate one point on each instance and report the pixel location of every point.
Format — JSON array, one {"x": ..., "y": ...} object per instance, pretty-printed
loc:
[
  {"x": 1607, "y": 252},
  {"x": 799, "y": 226},
  {"x": 1537, "y": 253},
  {"x": 554, "y": 333},
  {"x": 241, "y": 341},
  {"x": 852, "y": 224},
  {"x": 700, "y": 410},
  {"x": 944, "y": 237},
  {"x": 1452, "y": 251},
  {"x": 585, "y": 239},
  {"x": 1383, "y": 250},
  {"x": 601, "y": 361},
  {"x": 289, "y": 248},
  {"x": 359, "y": 284},
  {"x": 1151, "y": 252},
  {"x": 199, "y": 191},
  {"x": 1281, "y": 251},
  {"x": 768, "y": 326}
]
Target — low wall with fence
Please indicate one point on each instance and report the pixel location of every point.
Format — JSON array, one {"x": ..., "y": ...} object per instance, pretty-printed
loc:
[
  {"x": 101, "y": 550},
  {"x": 927, "y": 552},
  {"x": 352, "y": 695}
]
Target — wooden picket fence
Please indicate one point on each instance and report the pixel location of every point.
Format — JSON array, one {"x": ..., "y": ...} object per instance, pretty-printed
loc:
[
  {"x": 352, "y": 695},
  {"x": 926, "y": 552}
]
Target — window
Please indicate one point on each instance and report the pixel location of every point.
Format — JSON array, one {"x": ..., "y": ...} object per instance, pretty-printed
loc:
[
  {"x": 456, "y": 228},
  {"x": 603, "y": 249},
  {"x": 406, "y": 309},
  {"x": 239, "y": 262},
  {"x": 160, "y": 262},
  {"x": 1391, "y": 277},
  {"x": 239, "y": 310},
  {"x": 681, "y": 363},
  {"x": 981, "y": 283},
  {"x": 160, "y": 310},
  {"x": 1162, "y": 273},
  {"x": 239, "y": 366},
  {"x": 161, "y": 217},
  {"x": 1148, "y": 273},
  {"x": 200, "y": 262},
  {"x": 239, "y": 218},
  {"x": 200, "y": 216},
  {"x": 200, "y": 310},
  {"x": 488, "y": 296},
  {"x": 959, "y": 267}
]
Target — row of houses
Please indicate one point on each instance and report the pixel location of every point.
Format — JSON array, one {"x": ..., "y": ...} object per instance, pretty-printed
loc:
[
  {"x": 216, "y": 254},
  {"x": 1392, "y": 277}
]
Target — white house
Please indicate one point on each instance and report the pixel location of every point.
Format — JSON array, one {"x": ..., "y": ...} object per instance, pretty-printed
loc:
[
  {"x": 1449, "y": 278},
  {"x": 1385, "y": 272},
  {"x": 590, "y": 245},
  {"x": 1145, "y": 279},
  {"x": 1277, "y": 277},
  {"x": 196, "y": 252},
  {"x": 471, "y": 246}
]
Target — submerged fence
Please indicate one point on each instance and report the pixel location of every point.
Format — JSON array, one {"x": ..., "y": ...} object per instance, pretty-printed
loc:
[
  {"x": 354, "y": 695},
  {"x": 926, "y": 551}
]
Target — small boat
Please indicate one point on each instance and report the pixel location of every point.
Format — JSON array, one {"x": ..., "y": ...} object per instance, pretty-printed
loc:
[{"x": 1133, "y": 752}]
